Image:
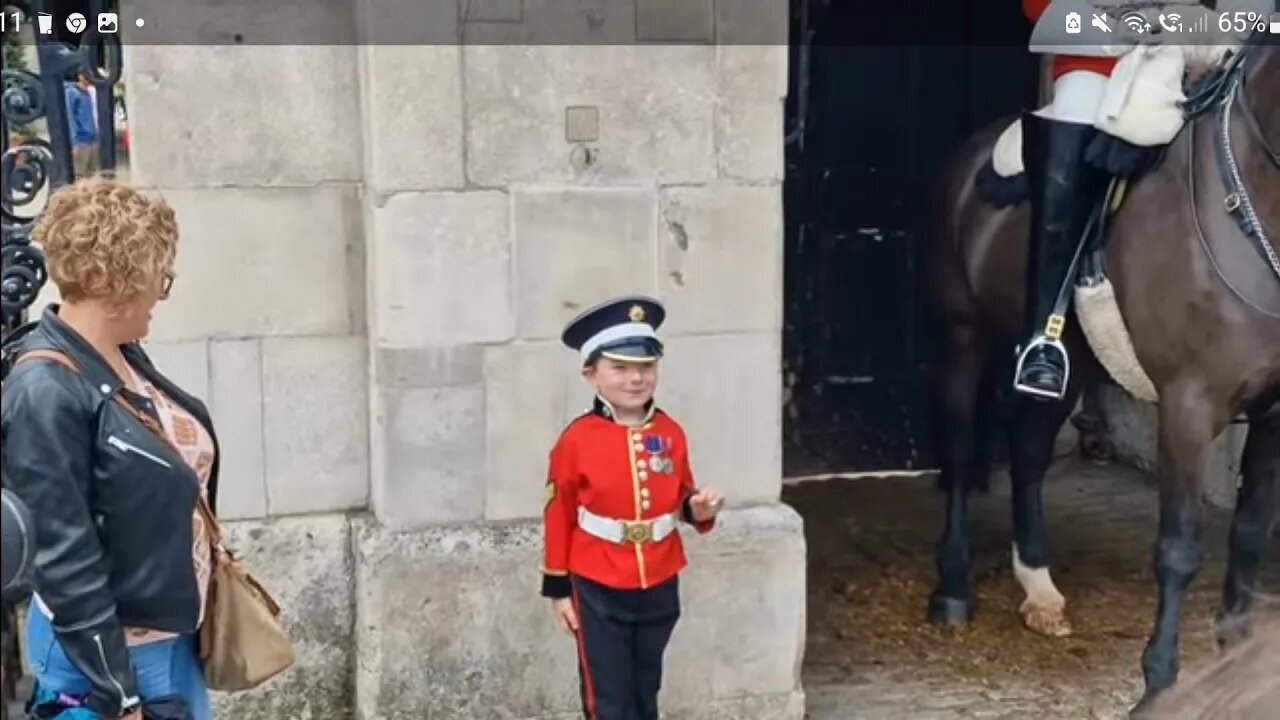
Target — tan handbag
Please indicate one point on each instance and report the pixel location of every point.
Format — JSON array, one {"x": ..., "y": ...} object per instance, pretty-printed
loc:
[{"x": 242, "y": 643}]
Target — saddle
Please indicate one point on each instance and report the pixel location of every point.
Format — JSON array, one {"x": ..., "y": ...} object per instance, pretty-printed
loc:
[{"x": 1144, "y": 109}]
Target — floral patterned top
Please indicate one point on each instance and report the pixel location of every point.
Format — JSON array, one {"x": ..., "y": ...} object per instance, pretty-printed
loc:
[{"x": 193, "y": 441}]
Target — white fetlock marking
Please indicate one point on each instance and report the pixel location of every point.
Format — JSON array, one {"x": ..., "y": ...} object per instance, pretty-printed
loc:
[{"x": 1041, "y": 592}]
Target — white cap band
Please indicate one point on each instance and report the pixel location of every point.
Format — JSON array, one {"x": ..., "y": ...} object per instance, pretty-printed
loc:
[{"x": 617, "y": 332}]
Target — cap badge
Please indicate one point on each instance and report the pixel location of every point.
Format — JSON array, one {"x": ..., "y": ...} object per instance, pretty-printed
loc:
[{"x": 636, "y": 314}]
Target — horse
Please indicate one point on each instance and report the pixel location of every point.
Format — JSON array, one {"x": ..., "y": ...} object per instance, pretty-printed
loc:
[{"x": 1200, "y": 298}]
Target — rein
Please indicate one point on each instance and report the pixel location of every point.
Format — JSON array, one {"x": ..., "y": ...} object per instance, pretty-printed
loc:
[{"x": 1222, "y": 94}]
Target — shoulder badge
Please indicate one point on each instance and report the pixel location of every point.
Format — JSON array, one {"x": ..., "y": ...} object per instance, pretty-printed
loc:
[{"x": 551, "y": 491}]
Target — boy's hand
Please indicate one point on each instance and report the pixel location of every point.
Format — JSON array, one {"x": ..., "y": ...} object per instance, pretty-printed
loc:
[
  {"x": 705, "y": 504},
  {"x": 566, "y": 616}
]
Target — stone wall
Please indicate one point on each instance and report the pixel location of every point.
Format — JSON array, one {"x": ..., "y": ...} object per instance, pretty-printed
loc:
[{"x": 380, "y": 244}]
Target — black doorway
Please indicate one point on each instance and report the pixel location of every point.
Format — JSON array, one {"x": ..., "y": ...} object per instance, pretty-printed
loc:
[{"x": 869, "y": 125}]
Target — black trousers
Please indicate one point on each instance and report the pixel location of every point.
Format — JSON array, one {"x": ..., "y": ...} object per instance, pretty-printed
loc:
[{"x": 622, "y": 635}]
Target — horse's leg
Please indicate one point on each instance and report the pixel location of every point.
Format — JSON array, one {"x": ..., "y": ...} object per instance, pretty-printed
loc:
[
  {"x": 1035, "y": 429},
  {"x": 1250, "y": 528},
  {"x": 1189, "y": 421},
  {"x": 961, "y": 373}
]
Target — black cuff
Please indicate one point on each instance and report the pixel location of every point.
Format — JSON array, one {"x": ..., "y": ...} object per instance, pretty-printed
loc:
[
  {"x": 686, "y": 511},
  {"x": 556, "y": 586}
]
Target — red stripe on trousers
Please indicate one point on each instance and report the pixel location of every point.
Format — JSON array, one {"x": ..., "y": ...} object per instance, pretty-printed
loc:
[{"x": 589, "y": 694}]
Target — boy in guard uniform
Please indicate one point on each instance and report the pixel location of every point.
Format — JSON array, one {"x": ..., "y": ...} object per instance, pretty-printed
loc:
[{"x": 619, "y": 483}]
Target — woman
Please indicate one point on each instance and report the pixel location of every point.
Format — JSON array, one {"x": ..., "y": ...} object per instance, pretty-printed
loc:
[{"x": 123, "y": 559}]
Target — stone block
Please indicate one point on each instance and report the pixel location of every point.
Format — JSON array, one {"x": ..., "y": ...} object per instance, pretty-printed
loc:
[
  {"x": 752, "y": 72},
  {"x": 306, "y": 564},
  {"x": 441, "y": 269},
  {"x": 236, "y": 380},
  {"x": 428, "y": 367},
  {"x": 1133, "y": 428},
  {"x": 408, "y": 23},
  {"x": 720, "y": 259},
  {"x": 494, "y": 11},
  {"x": 726, "y": 391},
  {"x": 675, "y": 20},
  {"x": 656, "y": 107},
  {"x": 551, "y": 22},
  {"x": 185, "y": 363},
  {"x": 735, "y": 654},
  {"x": 315, "y": 424},
  {"x": 575, "y": 248},
  {"x": 749, "y": 137},
  {"x": 428, "y": 455},
  {"x": 753, "y": 22},
  {"x": 275, "y": 261},
  {"x": 532, "y": 391},
  {"x": 413, "y": 131},
  {"x": 752, "y": 83},
  {"x": 265, "y": 115}
]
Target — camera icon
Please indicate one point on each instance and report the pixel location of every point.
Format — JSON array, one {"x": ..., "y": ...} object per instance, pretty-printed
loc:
[{"x": 108, "y": 23}]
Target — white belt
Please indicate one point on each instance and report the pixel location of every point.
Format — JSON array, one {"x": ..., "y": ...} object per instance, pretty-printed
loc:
[{"x": 620, "y": 531}]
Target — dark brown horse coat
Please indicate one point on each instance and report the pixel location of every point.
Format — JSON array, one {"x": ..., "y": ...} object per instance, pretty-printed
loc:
[{"x": 1203, "y": 309}]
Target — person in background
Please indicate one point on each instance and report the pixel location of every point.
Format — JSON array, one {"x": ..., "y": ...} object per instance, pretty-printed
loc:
[
  {"x": 110, "y": 456},
  {"x": 618, "y": 484},
  {"x": 82, "y": 121}
]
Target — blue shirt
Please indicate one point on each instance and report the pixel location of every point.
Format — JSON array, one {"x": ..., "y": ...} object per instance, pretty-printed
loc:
[{"x": 80, "y": 115}]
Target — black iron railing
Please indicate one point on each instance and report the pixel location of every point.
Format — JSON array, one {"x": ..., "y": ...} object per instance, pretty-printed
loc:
[{"x": 38, "y": 157}]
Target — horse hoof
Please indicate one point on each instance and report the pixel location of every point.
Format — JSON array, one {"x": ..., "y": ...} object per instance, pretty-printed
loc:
[
  {"x": 950, "y": 611},
  {"x": 1231, "y": 630},
  {"x": 1050, "y": 622}
]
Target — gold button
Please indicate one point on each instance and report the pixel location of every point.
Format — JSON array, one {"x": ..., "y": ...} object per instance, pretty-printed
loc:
[
  {"x": 637, "y": 437},
  {"x": 639, "y": 448},
  {"x": 640, "y": 464},
  {"x": 644, "y": 505},
  {"x": 644, "y": 492},
  {"x": 644, "y": 475}
]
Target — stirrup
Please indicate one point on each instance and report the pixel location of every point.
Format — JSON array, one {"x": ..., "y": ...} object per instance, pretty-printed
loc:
[{"x": 1037, "y": 342}]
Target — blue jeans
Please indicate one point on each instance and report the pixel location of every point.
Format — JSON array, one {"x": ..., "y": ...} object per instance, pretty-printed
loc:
[{"x": 163, "y": 667}]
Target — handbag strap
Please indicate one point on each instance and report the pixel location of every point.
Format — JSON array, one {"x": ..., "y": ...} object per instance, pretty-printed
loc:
[{"x": 202, "y": 505}]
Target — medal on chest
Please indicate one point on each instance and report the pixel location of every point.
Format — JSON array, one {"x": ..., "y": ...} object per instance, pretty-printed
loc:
[{"x": 659, "y": 449}]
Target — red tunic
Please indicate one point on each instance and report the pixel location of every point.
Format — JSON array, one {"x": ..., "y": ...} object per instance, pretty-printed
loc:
[
  {"x": 1063, "y": 64},
  {"x": 608, "y": 468}
]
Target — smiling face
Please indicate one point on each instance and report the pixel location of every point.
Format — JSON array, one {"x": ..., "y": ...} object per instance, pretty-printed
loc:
[{"x": 627, "y": 386}]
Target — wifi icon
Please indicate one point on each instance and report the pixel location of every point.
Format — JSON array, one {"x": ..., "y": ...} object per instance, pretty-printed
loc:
[{"x": 1136, "y": 21}]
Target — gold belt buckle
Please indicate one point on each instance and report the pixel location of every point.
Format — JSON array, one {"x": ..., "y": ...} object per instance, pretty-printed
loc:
[{"x": 637, "y": 532}]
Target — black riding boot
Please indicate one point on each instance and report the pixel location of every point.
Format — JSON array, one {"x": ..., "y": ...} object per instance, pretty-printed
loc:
[{"x": 1065, "y": 190}]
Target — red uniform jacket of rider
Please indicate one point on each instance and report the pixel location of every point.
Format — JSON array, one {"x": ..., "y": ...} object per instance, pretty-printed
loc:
[
  {"x": 1063, "y": 64},
  {"x": 608, "y": 468}
]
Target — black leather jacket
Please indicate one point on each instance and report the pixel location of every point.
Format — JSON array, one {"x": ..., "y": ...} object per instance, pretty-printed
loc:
[{"x": 112, "y": 504}]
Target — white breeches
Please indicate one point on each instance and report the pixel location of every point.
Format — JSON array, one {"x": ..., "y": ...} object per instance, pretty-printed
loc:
[{"x": 1077, "y": 96}]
